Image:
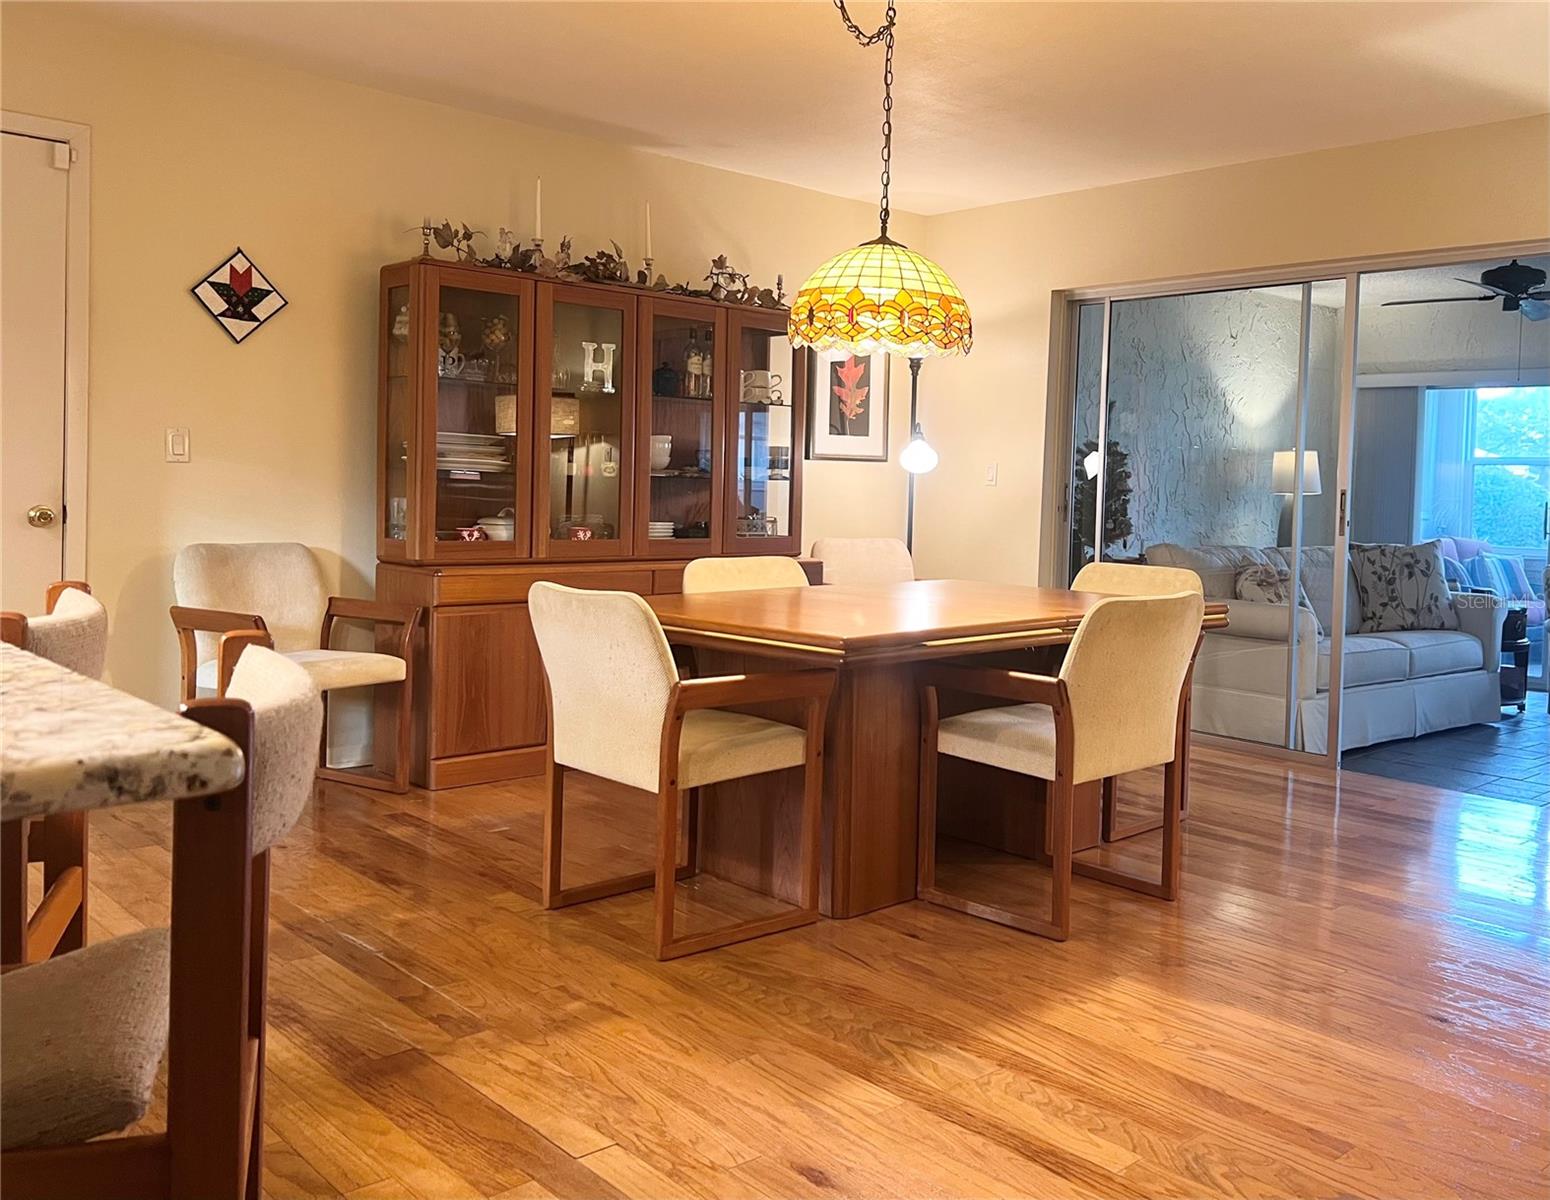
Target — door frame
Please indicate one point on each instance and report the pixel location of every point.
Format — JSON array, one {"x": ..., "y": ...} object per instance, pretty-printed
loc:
[
  {"x": 77, "y": 332},
  {"x": 1065, "y": 304}
]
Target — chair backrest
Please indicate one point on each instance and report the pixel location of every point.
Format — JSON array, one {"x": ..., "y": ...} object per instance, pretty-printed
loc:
[
  {"x": 742, "y": 574},
  {"x": 74, "y": 634},
  {"x": 864, "y": 560},
  {"x": 1135, "y": 579},
  {"x": 610, "y": 674},
  {"x": 1124, "y": 673},
  {"x": 287, "y": 724},
  {"x": 279, "y": 581}
]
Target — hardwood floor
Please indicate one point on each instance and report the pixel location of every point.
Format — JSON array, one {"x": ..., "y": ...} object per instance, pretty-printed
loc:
[{"x": 1349, "y": 1000}]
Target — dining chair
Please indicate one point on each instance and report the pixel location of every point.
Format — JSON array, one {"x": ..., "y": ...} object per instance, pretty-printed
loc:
[
  {"x": 1138, "y": 579},
  {"x": 1116, "y": 706},
  {"x": 271, "y": 594},
  {"x": 740, "y": 574},
  {"x": 864, "y": 560},
  {"x": 619, "y": 710},
  {"x": 82, "y": 1035},
  {"x": 73, "y": 633}
]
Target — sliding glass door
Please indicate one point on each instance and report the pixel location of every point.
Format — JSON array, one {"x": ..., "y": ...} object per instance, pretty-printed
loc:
[{"x": 1206, "y": 435}]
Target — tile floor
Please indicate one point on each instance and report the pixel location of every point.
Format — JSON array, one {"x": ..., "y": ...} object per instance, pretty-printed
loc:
[{"x": 1509, "y": 760}]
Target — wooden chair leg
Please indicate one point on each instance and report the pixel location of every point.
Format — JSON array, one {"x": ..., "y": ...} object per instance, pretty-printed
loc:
[
  {"x": 554, "y": 893},
  {"x": 13, "y": 893},
  {"x": 692, "y": 831},
  {"x": 64, "y": 866},
  {"x": 1057, "y": 840},
  {"x": 811, "y": 840},
  {"x": 375, "y": 777},
  {"x": 258, "y": 984}
]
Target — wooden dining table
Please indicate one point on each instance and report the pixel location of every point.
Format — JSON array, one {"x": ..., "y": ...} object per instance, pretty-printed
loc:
[{"x": 873, "y": 636}]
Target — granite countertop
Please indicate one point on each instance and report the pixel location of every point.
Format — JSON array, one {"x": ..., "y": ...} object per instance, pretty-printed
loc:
[{"x": 69, "y": 743}]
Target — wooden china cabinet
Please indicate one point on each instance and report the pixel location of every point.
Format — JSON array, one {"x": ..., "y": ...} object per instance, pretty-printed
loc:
[{"x": 597, "y": 436}]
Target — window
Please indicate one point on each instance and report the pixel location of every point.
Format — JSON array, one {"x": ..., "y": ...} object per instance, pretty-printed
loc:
[
  {"x": 1510, "y": 482},
  {"x": 1486, "y": 466}
]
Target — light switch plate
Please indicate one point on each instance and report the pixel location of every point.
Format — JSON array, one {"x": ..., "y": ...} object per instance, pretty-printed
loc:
[
  {"x": 990, "y": 475},
  {"x": 177, "y": 445}
]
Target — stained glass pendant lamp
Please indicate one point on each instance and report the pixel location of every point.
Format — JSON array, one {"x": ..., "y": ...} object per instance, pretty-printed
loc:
[{"x": 884, "y": 297}]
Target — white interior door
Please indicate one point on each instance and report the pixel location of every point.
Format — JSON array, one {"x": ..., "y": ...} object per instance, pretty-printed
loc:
[{"x": 33, "y": 226}]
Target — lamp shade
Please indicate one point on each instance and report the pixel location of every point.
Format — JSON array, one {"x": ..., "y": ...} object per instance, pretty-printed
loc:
[
  {"x": 1283, "y": 471},
  {"x": 918, "y": 457},
  {"x": 881, "y": 296}
]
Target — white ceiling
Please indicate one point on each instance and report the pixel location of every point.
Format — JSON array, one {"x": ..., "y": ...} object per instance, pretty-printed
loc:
[{"x": 993, "y": 101}]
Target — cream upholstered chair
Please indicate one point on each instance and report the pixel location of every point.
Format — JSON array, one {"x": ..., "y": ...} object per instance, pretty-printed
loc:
[
  {"x": 1135, "y": 579},
  {"x": 864, "y": 560},
  {"x": 1116, "y": 706},
  {"x": 272, "y": 594},
  {"x": 74, "y": 634},
  {"x": 618, "y": 709},
  {"x": 82, "y": 1035},
  {"x": 739, "y": 574},
  {"x": 1138, "y": 579}
]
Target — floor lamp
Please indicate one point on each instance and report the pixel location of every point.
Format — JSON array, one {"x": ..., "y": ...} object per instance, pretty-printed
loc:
[{"x": 917, "y": 457}]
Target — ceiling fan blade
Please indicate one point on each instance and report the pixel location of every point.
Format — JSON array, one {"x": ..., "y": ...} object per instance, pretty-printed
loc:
[
  {"x": 1438, "y": 300},
  {"x": 1534, "y": 310},
  {"x": 1495, "y": 291}
]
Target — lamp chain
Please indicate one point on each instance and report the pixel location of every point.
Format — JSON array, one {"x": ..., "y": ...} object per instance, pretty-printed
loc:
[{"x": 883, "y": 34}]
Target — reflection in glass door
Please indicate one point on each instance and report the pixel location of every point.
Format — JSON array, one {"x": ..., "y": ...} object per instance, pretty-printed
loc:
[{"x": 1217, "y": 413}]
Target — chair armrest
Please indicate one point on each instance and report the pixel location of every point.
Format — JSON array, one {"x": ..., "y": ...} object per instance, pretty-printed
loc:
[
  {"x": 229, "y": 649},
  {"x": 721, "y": 691},
  {"x": 1018, "y": 686},
  {"x": 188, "y": 621},
  {"x": 1481, "y": 615},
  {"x": 13, "y": 628},
  {"x": 377, "y": 612},
  {"x": 56, "y": 590}
]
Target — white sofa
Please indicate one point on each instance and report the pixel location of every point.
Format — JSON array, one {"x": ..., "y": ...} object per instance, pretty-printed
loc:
[{"x": 1397, "y": 685}]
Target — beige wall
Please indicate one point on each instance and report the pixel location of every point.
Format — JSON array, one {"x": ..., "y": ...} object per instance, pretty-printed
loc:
[
  {"x": 1411, "y": 194},
  {"x": 196, "y": 151}
]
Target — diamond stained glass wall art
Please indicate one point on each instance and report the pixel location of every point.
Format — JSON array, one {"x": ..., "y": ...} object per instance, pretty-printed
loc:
[{"x": 238, "y": 296}]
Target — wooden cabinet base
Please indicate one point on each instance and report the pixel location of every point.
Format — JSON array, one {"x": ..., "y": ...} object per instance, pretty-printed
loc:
[
  {"x": 492, "y": 767},
  {"x": 478, "y": 712}
]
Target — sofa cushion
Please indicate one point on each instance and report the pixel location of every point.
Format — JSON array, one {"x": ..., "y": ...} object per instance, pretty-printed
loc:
[
  {"x": 1402, "y": 587},
  {"x": 1266, "y": 584},
  {"x": 1438, "y": 651},
  {"x": 1317, "y": 577},
  {"x": 1369, "y": 658}
]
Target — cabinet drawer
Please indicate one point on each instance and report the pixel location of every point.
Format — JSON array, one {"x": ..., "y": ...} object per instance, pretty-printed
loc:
[{"x": 487, "y": 689}]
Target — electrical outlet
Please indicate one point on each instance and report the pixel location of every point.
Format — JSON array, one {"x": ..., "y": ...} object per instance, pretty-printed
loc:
[
  {"x": 177, "y": 446},
  {"x": 990, "y": 475}
]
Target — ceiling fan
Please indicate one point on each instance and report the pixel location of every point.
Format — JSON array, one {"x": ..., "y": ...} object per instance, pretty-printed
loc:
[{"x": 1520, "y": 289}]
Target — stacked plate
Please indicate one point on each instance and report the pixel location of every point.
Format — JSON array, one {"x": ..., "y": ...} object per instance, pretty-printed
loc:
[
  {"x": 659, "y": 529},
  {"x": 472, "y": 452}
]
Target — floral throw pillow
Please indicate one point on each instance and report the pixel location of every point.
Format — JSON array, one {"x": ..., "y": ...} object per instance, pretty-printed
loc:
[
  {"x": 1402, "y": 587},
  {"x": 1265, "y": 584}
]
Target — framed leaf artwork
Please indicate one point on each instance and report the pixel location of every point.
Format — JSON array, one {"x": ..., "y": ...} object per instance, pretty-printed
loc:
[{"x": 848, "y": 406}]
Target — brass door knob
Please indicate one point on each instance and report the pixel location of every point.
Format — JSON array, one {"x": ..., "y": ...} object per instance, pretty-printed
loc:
[{"x": 40, "y": 516}]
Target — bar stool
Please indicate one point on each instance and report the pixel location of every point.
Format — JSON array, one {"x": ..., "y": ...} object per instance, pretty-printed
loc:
[
  {"x": 1116, "y": 706},
  {"x": 74, "y": 634},
  {"x": 618, "y": 709}
]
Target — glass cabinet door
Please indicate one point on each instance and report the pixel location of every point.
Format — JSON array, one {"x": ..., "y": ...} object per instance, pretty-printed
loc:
[
  {"x": 480, "y": 362},
  {"x": 680, "y": 477},
  {"x": 769, "y": 395},
  {"x": 586, "y": 384},
  {"x": 396, "y": 422}
]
